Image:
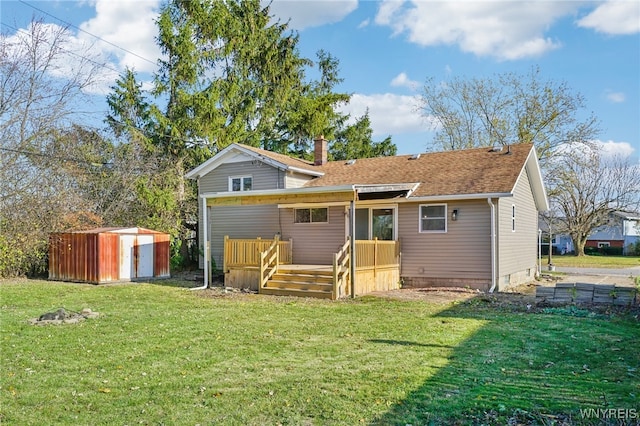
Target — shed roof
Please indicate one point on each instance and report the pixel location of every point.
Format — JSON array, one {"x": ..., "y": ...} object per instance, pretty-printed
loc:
[{"x": 118, "y": 230}]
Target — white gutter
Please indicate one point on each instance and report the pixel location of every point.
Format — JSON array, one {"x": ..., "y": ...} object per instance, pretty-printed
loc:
[
  {"x": 493, "y": 245},
  {"x": 457, "y": 197},
  {"x": 303, "y": 171},
  {"x": 205, "y": 233}
]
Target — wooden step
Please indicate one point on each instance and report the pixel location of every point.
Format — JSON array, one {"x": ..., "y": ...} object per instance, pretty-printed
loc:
[
  {"x": 299, "y": 285},
  {"x": 319, "y": 272},
  {"x": 308, "y": 278},
  {"x": 297, "y": 293}
]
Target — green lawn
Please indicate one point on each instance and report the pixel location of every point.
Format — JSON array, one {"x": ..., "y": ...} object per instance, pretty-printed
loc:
[
  {"x": 165, "y": 355},
  {"x": 595, "y": 261}
]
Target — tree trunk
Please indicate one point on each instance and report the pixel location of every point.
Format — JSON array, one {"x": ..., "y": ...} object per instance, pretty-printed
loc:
[{"x": 578, "y": 244}]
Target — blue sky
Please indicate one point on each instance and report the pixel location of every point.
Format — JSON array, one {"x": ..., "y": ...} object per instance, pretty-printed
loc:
[{"x": 388, "y": 49}]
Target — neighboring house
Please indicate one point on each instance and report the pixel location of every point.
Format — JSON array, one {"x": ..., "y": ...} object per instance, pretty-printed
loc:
[
  {"x": 458, "y": 218},
  {"x": 622, "y": 230},
  {"x": 561, "y": 243}
]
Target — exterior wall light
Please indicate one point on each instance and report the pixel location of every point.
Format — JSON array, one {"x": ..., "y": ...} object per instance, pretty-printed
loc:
[{"x": 454, "y": 214}]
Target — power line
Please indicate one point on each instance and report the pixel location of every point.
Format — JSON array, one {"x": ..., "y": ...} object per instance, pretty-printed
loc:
[{"x": 87, "y": 32}]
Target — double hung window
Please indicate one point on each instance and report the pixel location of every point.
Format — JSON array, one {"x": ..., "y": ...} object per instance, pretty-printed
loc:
[
  {"x": 240, "y": 183},
  {"x": 433, "y": 218}
]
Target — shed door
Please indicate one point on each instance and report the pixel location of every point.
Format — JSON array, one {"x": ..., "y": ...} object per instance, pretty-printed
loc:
[
  {"x": 144, "y": 256},
  {"x": 126, "y": 256}
]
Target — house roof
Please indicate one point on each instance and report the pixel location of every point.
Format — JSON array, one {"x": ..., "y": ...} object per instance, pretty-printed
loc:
[
  {"x": 282, "y": 158},
  {"x": 627, "y": 215},
  {"x": 470, "y": 172},
  {"x": 280, "y": 161}
]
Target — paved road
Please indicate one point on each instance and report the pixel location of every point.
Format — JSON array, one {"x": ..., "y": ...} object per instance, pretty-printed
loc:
[
  {"x": 635, "y": 271},
  {"x": 600, "y": 275}
]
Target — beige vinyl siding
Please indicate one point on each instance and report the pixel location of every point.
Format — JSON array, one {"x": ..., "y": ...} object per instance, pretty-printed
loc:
[
  {"x": 264, "y": 176},
  {"x": 464, "y": 251},
  {"x": 296, "y": 180},
  {"x": 240, "y": 222},
  {"x": 315, "y": 243},
  {"x": 517, "y": 250}
]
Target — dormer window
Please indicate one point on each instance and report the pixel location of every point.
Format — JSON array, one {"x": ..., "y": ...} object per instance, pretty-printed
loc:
[{"x": 240, "y": 183}]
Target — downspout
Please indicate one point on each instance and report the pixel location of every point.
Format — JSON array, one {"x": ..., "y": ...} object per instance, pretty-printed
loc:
[
  {"x": 493, "y": 245},
  {"x": 352, "y": 243},
  {"x": 205, "y": 233}
]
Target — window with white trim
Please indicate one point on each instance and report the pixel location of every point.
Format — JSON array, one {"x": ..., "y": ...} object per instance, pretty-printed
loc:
[
  {"x": 433, "y": 218},
  {"x": 311, "y": 215},
  {"x": 240, "y": 183},
  {"x": 513, "y": 218}
]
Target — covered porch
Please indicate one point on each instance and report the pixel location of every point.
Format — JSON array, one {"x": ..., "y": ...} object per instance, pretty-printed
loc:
[
  {"x": 346, "y": 241},
  {"x": 357, "y": 269}
]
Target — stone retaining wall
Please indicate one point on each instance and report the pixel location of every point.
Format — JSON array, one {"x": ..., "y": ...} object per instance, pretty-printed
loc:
[{"x": 563, "y": 293}]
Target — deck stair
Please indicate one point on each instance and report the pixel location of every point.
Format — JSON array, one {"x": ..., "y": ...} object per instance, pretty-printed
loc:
[{"x": 306, "y": 281}]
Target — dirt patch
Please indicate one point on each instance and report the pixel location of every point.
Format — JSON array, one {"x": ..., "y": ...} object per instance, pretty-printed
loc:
[
  {"x": 62, "y": 316},
  {"x": 523, "y": 294}
]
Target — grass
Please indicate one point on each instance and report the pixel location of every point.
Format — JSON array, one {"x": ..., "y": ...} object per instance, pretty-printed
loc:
[
  {"x": 596, "y": 261},
  {"x": 164, "y": 355}
]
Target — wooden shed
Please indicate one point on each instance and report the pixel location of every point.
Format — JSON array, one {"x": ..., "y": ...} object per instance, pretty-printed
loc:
[{"x": 105, "y": 255}]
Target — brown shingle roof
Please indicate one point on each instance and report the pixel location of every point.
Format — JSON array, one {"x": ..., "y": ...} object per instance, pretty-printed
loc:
[
  {"x": 281, "y": 158},
  {"x": 471, "y": 171}
]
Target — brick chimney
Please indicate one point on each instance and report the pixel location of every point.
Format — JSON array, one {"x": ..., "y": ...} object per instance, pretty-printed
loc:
[{"x": 320, "y": 151}]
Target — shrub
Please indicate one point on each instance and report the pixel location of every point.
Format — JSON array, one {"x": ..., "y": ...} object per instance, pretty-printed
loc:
[
  {"x": 633, "y": 249},
  {"x": 611, "y": 251}
]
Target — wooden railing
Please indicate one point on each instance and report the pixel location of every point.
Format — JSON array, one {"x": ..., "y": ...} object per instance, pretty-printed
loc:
[
  {"x": 246, "y": 252},
  {"x": 377, "y": 253},
  {"x": 269, "y": 260},
  {"x": 341, "y": 270}
]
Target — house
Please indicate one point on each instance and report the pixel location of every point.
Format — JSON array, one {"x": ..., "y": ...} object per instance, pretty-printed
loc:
[
  {"x": 104, "y": 255},
  {"x": 561, "y": 243},
  {"x": 621, "y": 231},
  {"x": 456, "y": 218}
]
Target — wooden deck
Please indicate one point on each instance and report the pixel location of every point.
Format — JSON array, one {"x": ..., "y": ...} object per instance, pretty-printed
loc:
[{"x": 269, "y": 272}]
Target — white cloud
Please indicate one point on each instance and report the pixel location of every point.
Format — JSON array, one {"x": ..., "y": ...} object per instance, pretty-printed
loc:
[
  {"x": 615, "y": 97},
  {"x": 75, "y": 58},
  {"x": 402, "y": 80},
  {"x": 613, "y": 149},
  {"x": 614, "y": 17},
  {"x": 303, "y": 14},
  {"x": 129, "y": 25},
  {"x": 507, "y": 30},
  {"x": 390, "y": 114}
]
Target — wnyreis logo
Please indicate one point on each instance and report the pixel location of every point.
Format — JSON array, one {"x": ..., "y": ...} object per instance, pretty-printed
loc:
[{"x": 610, "y": 413}]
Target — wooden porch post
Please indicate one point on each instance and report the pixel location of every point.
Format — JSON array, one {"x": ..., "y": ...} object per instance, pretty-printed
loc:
[{"x": 225, "y": 253}]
